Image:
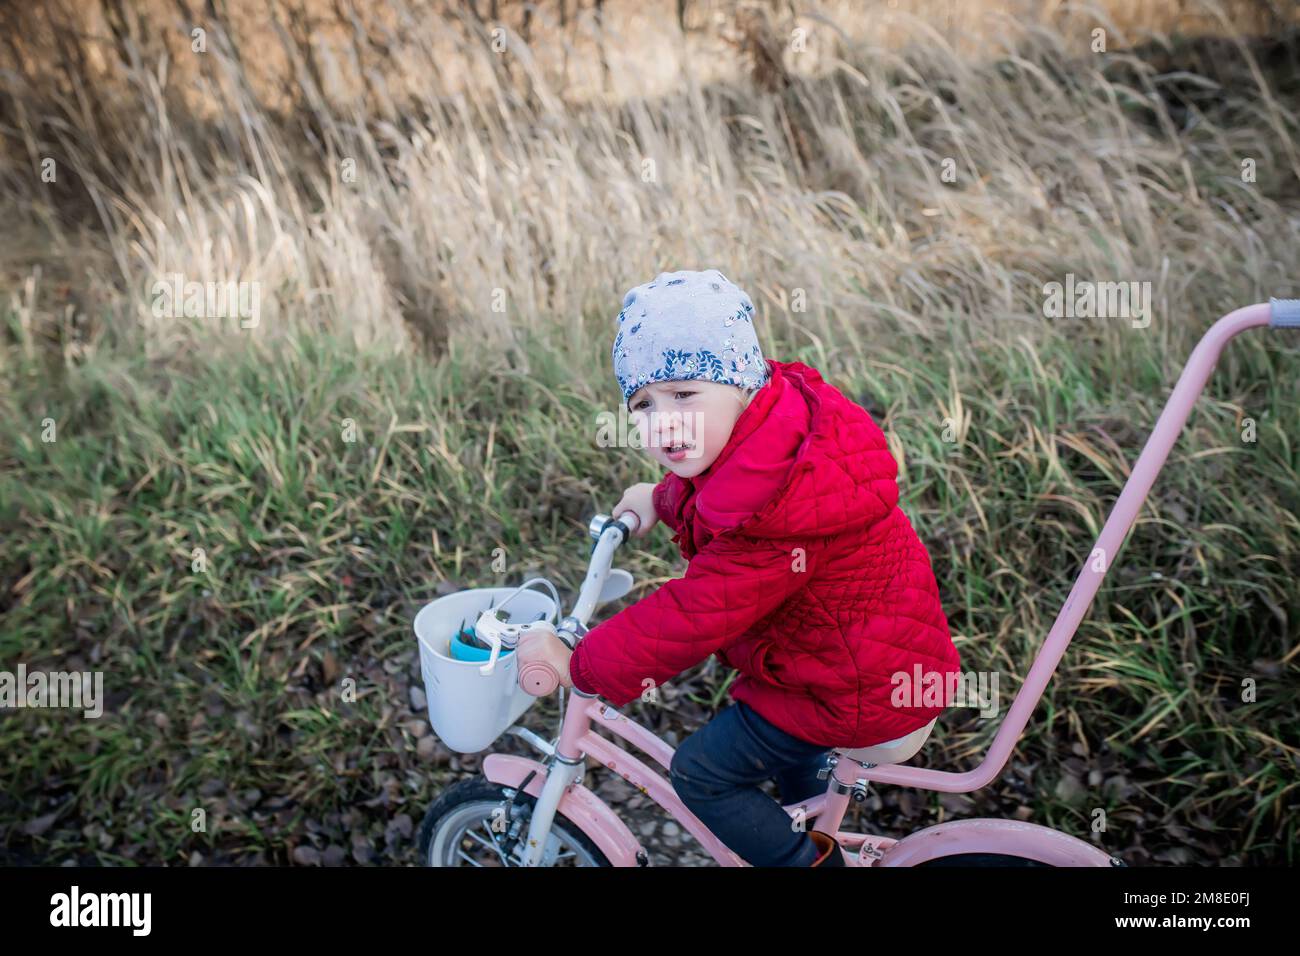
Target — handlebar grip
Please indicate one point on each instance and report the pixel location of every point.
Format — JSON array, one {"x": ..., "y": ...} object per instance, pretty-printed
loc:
[
  {"x": 1284, "y": 313},
  {"x": 538, "y": 678},
  {"x": 630, "y": 518}
]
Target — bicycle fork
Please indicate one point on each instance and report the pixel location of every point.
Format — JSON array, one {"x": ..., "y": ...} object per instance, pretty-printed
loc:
[{"x": 560, "y": 775}]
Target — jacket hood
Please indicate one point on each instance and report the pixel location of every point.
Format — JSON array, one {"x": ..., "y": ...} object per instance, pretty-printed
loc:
[{"x": 802, "y": 460}]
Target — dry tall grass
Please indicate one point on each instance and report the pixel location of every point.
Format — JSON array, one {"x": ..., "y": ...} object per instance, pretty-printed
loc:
[{"x": 417, "y": 202}]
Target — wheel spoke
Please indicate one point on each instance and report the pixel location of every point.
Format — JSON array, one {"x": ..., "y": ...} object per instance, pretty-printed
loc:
[
  {"x": 471, "y": 824},
  {"x": 491, "y": 843}
]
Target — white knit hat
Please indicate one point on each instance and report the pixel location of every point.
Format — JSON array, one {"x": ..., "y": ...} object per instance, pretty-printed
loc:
[{"x": 687, "y": 325}]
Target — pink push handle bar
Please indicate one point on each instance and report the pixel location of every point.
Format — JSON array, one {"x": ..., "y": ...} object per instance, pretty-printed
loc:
[
  {"x": 1277, "y": 313},
  {"x": 539, "y": 678}
]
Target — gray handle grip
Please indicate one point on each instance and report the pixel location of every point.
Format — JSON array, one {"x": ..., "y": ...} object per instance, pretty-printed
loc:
[{"x": 1285, "y": 313}]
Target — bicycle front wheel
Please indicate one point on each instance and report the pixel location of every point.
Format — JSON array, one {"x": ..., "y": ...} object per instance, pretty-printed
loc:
[
  {"x": 983, "y": 859},
  {"x": 474, "y": 824}
]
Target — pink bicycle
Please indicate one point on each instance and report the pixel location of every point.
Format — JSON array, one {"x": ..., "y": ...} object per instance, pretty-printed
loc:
[{"x": 526, "y": 812}]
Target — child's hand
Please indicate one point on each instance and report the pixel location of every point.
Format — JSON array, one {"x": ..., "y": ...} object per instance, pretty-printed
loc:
[
  {"x": 639, "y": 498},
  {"x": 544, "y": 646}
]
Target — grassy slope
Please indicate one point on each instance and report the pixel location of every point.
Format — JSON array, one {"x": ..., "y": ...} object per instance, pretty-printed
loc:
[{"x": 318, "y": 551}]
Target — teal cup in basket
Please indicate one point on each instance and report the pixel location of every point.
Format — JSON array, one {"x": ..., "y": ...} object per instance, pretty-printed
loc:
[
  {"x": 461, "y": 651},
  {"x": 467, "y": 708}
]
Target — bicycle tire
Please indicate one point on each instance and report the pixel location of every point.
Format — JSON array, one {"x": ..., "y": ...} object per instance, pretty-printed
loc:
[
  {"x": 491, "y": 795},
  {"x": 983, "y": 859}
]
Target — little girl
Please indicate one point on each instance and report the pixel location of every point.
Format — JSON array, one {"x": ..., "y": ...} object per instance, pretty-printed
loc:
[{"x": 804, "y": 575}]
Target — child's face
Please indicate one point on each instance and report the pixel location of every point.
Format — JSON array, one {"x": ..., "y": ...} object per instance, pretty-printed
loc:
[{"x": 695, "y": 414}]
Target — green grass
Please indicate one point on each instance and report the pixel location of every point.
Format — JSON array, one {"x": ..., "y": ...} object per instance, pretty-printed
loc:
[{"x": 318, "y": 552}]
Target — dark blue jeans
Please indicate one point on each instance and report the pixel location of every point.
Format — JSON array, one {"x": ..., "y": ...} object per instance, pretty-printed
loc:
[{"x": 716, "y": 772}]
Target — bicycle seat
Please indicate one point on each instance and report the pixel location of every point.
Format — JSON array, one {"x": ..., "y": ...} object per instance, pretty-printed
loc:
[{"x": 891, "y": 751}]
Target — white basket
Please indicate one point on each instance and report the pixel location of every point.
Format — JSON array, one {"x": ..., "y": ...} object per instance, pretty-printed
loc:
[{"x": 468, "y": 709}]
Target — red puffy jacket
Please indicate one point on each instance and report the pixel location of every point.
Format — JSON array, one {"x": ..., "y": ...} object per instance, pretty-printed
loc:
[{"x": 804, "y": 575}]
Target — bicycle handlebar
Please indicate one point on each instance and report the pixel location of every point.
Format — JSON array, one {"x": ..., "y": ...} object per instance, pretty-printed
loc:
[{"x": 539, "y": 678}]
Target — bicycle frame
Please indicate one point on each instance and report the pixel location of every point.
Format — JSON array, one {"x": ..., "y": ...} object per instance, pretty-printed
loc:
[{"x": 578, "y": 738}]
